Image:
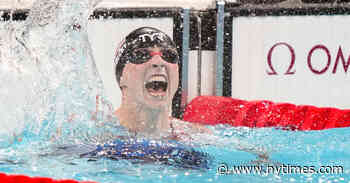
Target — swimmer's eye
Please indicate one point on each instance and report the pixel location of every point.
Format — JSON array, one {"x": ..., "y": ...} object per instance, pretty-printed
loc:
[
  {"x": 170, "y": 56},
  {"x": 140, "y": 56}
]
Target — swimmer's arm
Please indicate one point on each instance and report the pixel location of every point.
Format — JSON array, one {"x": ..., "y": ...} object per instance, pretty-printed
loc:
[
  {"x": 261, "y": 153},
  {"x": 211, "y": 139},
  {"x": 200, "y": 133}
]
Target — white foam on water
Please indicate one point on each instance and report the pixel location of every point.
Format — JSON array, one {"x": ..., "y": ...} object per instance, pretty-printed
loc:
[{"x": 48, "y": 72}]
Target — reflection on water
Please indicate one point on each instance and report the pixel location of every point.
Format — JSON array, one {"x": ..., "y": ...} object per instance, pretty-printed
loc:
[{"x": 48, "y": 90}]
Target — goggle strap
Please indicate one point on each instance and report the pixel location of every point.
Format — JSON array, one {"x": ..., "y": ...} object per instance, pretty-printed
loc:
[{"x": 153, "y": 53}]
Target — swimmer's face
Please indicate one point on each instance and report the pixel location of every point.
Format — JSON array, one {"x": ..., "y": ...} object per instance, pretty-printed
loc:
[{"x": 152, "y": 83}]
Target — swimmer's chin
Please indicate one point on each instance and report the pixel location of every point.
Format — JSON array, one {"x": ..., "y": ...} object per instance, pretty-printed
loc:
[
  {"x": 157, "y": 105},
  {"x": 156, "y": 101}
]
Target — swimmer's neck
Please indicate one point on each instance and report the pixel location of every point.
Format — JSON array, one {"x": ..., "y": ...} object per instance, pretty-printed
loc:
[{"x": 142, "y": 119}]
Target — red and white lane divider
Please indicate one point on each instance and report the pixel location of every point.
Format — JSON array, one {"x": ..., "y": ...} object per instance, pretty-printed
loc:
[
  {"x": 25, "y": 179},
  {"x": 214, "y": 110}
]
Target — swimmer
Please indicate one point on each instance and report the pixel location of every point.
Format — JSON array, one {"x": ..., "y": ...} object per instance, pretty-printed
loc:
[{"x": 147, "y": 73}]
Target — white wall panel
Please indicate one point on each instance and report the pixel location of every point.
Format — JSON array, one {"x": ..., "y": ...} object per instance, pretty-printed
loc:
[{"x": 309, "y": 37}]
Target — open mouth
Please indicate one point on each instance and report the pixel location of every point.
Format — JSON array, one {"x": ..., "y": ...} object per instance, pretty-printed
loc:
[{"x": 157, "y": 85}]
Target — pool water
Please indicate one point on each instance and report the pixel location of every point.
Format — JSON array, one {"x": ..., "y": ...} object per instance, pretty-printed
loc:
[
  {"x": 48, "y": 117},
  {"x": 35, "y": 157}
]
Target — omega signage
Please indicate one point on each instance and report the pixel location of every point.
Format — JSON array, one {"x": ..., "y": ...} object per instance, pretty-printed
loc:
[
  {"x": 339, "y": 59},
  {"x": 296, "y": 59}
]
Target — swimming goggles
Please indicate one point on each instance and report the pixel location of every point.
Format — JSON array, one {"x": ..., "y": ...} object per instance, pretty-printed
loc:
[{"x": 143, "y": 55}]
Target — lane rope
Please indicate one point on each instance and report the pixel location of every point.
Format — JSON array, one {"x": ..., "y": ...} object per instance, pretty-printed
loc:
[
  {"x": 26, "y": 179},
  {"x": 212, "y": 110}
]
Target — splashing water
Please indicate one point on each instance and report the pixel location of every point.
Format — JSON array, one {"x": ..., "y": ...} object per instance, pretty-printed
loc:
[
  {"x": 48, "y": 94},
  {"x": 48, "y": 73}
]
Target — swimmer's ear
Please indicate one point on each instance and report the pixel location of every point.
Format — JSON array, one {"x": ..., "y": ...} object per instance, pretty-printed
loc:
[
  {"x": 122, "y": 83},
  {"x": 122, "y": 88}
]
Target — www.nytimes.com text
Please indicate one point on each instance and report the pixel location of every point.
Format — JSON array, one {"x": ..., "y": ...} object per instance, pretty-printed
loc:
[{"x": 225, "y": 169}]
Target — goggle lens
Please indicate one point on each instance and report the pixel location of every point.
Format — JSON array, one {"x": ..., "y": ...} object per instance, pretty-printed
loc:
[{"x": 140, "y": 56}]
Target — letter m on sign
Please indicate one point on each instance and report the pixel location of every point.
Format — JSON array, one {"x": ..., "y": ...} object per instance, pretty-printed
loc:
[{"x": 345, "y": 64}]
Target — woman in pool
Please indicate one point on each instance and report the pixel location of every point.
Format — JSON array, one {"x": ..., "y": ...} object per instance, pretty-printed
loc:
[{"x": 147, "y": 72}]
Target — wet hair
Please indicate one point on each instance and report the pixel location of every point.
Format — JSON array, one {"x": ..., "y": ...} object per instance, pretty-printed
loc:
[{"x": 143, "y": 37}]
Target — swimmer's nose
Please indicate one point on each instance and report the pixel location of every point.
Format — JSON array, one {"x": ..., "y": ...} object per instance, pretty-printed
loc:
[
  {"x": 158, "y": 62},
  {"x": 158, "y": 65}
]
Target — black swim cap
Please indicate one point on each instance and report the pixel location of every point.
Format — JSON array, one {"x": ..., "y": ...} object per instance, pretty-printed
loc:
[{"x": 143, "y": 37}]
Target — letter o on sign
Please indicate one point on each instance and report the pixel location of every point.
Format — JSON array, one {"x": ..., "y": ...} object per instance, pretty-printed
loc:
[
  {"x": 324, "y": 48},
  {"x": 292, "y": 59}
]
